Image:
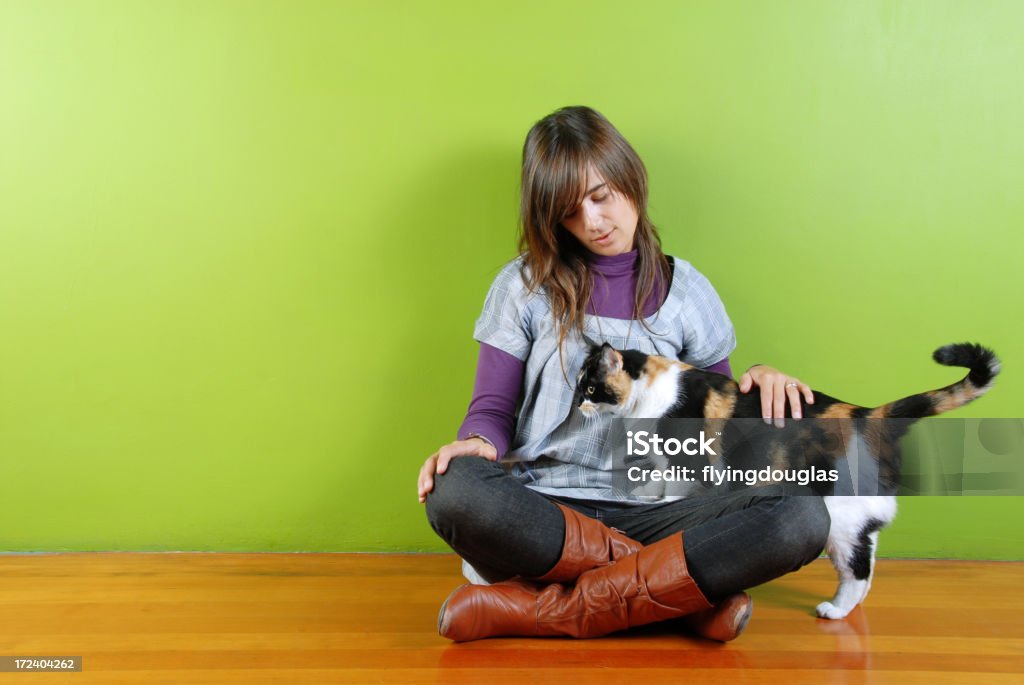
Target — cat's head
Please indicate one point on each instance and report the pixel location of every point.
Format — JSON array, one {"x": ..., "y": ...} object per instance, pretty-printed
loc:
[{"x": 603, "y": 384}]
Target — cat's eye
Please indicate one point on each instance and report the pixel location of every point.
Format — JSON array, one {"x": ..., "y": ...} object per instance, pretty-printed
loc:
[{"x": 590, "y": 390}]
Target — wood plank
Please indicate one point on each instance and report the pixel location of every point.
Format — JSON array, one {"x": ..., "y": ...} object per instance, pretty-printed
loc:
[{"x": 325, "y": 618}]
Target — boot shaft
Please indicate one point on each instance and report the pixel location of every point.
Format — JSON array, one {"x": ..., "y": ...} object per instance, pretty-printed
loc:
[{"x": 650, "y": 585}]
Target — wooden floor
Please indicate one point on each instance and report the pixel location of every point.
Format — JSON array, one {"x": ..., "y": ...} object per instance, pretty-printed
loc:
[{"x": 352, "y": 618}]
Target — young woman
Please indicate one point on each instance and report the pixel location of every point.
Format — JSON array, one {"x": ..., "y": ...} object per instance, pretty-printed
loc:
[{"x": 524, "y": 495}]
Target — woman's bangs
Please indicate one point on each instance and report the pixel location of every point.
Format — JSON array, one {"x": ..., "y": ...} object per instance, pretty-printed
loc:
[
  {"x": 568, "y": 187},
  {"x": 613, "y": 170}
]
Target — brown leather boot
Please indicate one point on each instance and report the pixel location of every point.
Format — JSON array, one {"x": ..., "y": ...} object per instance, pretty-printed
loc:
[
  {"x": 724, "y": 621},
  {"x": 588, "y": 544},
  {"x": 591, "y": 544},
  {"x": 650, "y": 585}
]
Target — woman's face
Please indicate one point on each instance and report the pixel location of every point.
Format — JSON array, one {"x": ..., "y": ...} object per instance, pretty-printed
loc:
[{"x": 605, "y": 222}]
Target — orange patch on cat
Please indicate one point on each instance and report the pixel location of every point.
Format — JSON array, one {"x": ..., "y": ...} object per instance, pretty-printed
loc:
[
  {"x": 655, "y": 366},
  {"x": 621, "y": 384},
  {"x": 837, "y": 436},
  {"x": 950, "y": 400},
  {"x": 719, "y": 405},
  {"x": 840, "y": 410}
]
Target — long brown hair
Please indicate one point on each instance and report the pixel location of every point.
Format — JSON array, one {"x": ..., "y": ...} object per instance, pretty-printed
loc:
[{"x": 557, "y": 152}]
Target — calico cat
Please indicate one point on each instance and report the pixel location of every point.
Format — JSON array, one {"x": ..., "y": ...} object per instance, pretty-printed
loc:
[{"x": 631, "y": 384}]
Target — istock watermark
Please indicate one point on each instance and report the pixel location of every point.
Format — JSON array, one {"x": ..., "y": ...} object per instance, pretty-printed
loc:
[
  {"x": 642, "y": 443},
  {"x": 659, "y": 458}
]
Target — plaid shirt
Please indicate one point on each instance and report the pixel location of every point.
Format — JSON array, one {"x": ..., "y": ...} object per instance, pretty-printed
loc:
[{"x": 554, "y": 450}]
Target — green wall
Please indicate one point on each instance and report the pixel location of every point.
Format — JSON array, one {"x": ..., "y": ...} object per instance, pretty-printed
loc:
[{"x": 243, "y": 244}]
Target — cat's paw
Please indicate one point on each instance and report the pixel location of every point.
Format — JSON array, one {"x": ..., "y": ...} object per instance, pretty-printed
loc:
[{"x": 831, "y": 611}]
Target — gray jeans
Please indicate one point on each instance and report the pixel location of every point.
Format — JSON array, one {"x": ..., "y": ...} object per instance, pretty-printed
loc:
[{"x": 732, "y": 541}]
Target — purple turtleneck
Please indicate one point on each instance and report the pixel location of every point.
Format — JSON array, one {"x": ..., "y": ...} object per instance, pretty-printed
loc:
[{"x": 499, "y": 375}]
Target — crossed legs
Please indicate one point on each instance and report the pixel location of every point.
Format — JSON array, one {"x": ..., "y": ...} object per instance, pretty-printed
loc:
[{"x": 733, "y": 541}]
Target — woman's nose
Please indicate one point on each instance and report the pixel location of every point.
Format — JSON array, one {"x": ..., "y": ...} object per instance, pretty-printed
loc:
[{"x": 590, "y": 217}]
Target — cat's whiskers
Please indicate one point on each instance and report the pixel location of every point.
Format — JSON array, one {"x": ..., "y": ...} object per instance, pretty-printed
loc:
[{"x": 589, "y": 410}]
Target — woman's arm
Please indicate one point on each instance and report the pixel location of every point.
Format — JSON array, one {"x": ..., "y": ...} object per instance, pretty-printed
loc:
[
  {"x": 491, "y": 413},
  {"x": 723, "y": 367}
]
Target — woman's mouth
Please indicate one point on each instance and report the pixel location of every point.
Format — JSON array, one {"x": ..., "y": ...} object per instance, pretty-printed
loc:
[{"x": 604, "y": 239}]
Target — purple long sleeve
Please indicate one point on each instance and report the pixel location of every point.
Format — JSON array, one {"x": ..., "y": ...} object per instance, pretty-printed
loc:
[
  {"x": 721, "y": 367},
  {"x": 499, "y": 379},
  {"x": 499, "y": 375}
]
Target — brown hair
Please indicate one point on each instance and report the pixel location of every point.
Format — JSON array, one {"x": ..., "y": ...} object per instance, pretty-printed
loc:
[{"x": 557, "y": 152}]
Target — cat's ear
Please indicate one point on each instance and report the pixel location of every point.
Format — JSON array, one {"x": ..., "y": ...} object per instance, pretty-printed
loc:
[
  {"x": 611, "y": 359},
  {"x": 593, "y": 344}
]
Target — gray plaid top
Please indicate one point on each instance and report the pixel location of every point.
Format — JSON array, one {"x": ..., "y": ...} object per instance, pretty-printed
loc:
[{"x": 554, "y": 450}]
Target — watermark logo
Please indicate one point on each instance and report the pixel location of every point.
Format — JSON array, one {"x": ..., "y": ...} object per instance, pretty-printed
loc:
[{"x": 644, "y": 443}]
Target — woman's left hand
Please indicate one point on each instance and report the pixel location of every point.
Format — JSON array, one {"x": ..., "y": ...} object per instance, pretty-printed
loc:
[{"x": 776, "y": 388}]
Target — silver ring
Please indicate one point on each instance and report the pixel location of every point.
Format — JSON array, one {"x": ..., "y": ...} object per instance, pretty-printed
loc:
[{"x": 790, "y": 385}]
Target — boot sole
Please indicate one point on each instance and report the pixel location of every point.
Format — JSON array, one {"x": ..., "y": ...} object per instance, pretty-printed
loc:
[
  {"x": 440, "y": 616},
  {"x": 746, "y": 618},
  {"x": 441, "y": 627}
]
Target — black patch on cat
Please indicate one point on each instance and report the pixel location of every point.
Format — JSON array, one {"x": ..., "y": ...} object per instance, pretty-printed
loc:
[
  {"x": 860, "y": 412},
  {"x": 860, "y": 559},
  {"x": 980, "y": 360},
  {"x": 592, "y": 374},
  {"x": 693, "y": 387},
  {"x": 633, "y": 362},
  {"x": 602, "y": 396},
  {"x": 913, "y": 407}
]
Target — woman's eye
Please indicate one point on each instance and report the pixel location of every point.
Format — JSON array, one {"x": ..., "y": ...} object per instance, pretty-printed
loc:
[{"x": 601, "y": 198}]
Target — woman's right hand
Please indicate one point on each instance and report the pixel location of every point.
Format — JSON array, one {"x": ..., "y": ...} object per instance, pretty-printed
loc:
[{"x": 438, "y": 461}]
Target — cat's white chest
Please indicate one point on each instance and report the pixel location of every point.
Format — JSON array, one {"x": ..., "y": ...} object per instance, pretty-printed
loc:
[{"x": 651, "y": 400}]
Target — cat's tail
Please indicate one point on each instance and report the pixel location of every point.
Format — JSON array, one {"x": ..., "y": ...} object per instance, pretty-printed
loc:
[{"x": 984, "y": 367}]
